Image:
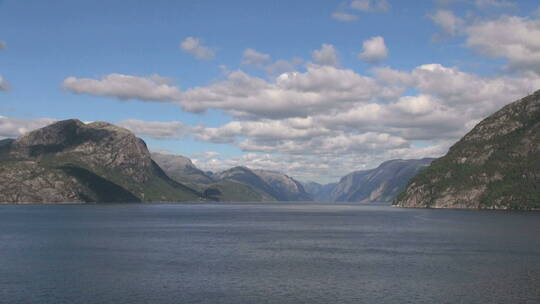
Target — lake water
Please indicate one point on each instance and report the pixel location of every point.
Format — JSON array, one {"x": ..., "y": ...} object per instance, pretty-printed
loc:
[{"x": 272, "y": 253}]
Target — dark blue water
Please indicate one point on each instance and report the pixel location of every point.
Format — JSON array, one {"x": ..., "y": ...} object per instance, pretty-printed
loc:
[{"x": 278, "y": 253}]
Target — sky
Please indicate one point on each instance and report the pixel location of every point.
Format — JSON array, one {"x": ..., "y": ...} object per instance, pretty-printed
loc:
[{"x": 314, "y": 89}]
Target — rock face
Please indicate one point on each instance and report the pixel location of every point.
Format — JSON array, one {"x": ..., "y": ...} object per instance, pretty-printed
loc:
[
  {"x": 70, "y": 161},
  {"x": 495, "y": 166},
  {"x": 269, "y": 184},
  {"x": 381, "y": 184},
  {"x": 320, "y": 192},
  {"x": 181, "y": 169}
]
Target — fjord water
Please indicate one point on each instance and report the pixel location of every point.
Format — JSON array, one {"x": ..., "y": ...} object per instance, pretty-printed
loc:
[{"x": 271, "y": 253}]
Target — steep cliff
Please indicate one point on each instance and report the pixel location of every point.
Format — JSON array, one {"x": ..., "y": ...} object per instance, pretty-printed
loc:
[
  {"x": 496, "y": 165},
  {"x": 381, "y": 184}
]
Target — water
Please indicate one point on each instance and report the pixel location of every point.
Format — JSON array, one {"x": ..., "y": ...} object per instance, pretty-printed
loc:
[{"x": 276, "y": 253}]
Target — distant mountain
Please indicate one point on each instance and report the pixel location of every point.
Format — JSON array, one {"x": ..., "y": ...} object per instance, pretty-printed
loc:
[
  {"x": 269, "y": 184},
  {"x": 70, "y": 161},
  {"x": 320, "y": 192},
  {"x": 496, "y": 165},
  {"x": 285, "y": 187},
  {"x": 381, "y": 184},
  {"x": 181, "y": 169}
]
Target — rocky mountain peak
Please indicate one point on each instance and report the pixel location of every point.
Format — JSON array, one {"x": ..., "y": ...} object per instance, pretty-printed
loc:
[
  {"x": 97, "y": 144},
  {"x": 70, "y": 161}
]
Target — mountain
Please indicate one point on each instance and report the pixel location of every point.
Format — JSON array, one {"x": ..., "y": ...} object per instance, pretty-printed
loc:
[
  {"x": 381, "y": 184},
  {"x": 320, "y": 192},
  {"x": 181, "y": 169},
  {"x": 247, "y": 177},
  {"x": 285, "y": 187},
  {"x": 70, "y": 161},
  {"x": 270, "y": 185},
  {"x": 235, "y": 184},
  {"x": 494, "y": 166}
]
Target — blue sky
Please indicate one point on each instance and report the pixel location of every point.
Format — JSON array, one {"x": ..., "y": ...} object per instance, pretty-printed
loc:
[{"x": 49, "y": 41}]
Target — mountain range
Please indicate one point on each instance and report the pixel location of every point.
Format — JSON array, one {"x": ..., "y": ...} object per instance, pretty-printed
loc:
[
  {"x": 74, "y": 162},
  {"x": 381, "y": 184},
  {"x": 496, "y": 166}
]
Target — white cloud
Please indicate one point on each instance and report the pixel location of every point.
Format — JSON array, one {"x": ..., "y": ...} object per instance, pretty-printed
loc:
[
  {"x": 416, "y": 105},
  {"x": 264, "y": 62},
  {"x": 327, "y": 55},
  {"x": 374, "y": 50},
  {"x": 336, "y": 145},
  {"x": 158, "y": 130},
  {"x": 370, "y": 5},
  {"x": 195, "y": 47},
  {"x": 4, "y": 86},
  {"x": 447, "y": 21},
  {"x": 468, "y": 93},
  {"x": 281, "y": 66},
  {"x": 15, "y": 127},
  {"x": 252, "y": 57},
  {"x": 124, "y": 87},
  {"x": 391, "y": 76},
  {"x": 450, "y": 102},
  {"x": 328, "y": 117},
  {"x": 515, "y": 38},
  {"x": 344, "y": 17},
  {"x": 292, "y": 94},
  {"x": 287, "y": 129}
]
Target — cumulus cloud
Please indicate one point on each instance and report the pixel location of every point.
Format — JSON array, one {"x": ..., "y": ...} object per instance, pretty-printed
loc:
[
  {"x": 305, "y": 122},
  {"x": 327, "y": 55},
  {"x": 124, "y": 87},
  {"x": 14, "y": 127},
  {"x": 264, "y": 62},
  {"x": 252, "y": 57},
  {"x": 515, "y": 38},
  {"x": 293, "y": 94},
  {"x": 271, "y": 130},
  {"x": 447, "y": 21},
  {"x": 157, "y": 129},
  {"x": 4, "y": 86},
  {"x": 371, "y": 5},
  {"x": 344, "y": 17},
  {"x": 469, "y": 93},
  {"x": 449, "y": 103},
  {"x": 374, "y": 50},
  {"x": 195, "y": 47}
]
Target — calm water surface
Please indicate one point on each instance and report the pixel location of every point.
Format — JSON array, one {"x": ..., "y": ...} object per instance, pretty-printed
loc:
[{"x": 275, "y": 253}]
